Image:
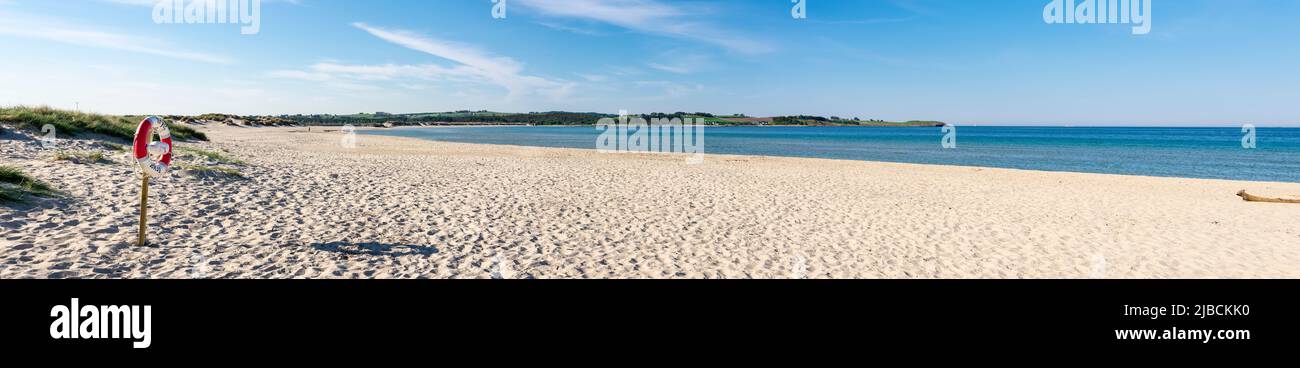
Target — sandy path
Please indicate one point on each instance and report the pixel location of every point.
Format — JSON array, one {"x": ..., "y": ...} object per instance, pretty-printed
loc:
[{"x": 396, "y": 207}]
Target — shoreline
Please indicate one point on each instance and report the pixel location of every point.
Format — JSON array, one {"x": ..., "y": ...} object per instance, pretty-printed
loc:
[
  {"x": 1064, "y": 126},
  {"x": 707, "y": 154},
  {"x": 396, "y": 207}
]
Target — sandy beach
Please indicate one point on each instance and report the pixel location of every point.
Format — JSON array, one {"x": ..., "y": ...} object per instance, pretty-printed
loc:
[{"x": 310, "y": 207}]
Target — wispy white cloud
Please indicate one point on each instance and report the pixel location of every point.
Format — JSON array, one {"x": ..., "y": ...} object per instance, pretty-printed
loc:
[
  {"x": 416, "y": 87},
  {"x": 385, "y": 72},
  {"x": 670, "y": 68},
  {"x": 133, "y": 2},
  {"x": 569, "y": 28},
  {"x": 361, "y": 77},
  {"x": 155, "y": 2},
  {"x": 865, "y": 21},
  {"x": 467, "y": 55},
  {"x": 671, "y": 90},
  {"x": 596, "y": 78},
  {"x": 680, "y": 62},
  {"x": 470, "y": 65},
  {"x": 301, "y": 75},
  {"x": 56, "y": 30},
  {"x": 648, "y": 16}
]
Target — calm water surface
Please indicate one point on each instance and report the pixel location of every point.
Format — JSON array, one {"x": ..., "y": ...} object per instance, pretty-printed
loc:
[{"x": 1214, "y": 153}]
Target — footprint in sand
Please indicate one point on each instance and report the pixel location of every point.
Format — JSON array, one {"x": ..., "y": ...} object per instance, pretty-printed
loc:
[
  {"x": 799, "y": 270},
  {"x": 501, "y": 269}
]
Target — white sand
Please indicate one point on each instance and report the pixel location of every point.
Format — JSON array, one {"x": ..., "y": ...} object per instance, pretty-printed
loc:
[{"x": 404, "y": 208}]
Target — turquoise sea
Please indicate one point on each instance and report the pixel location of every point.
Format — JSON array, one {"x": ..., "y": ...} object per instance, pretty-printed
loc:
[{"x": 1214, "y": 153}]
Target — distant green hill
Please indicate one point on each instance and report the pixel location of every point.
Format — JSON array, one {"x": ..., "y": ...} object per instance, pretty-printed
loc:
[
  {"x": 117, "y": 126},
  {"x": 836, "y": 121},
  {"x": 484, "y": 117},
  {"x": 911, "y": 123},
  {"x": 450, "y": 118}
]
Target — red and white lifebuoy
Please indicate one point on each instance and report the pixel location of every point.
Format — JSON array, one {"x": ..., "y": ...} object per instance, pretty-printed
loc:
[{"x": 153, "y": 157}]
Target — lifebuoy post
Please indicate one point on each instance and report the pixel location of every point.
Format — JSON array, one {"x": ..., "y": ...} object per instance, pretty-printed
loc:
[
  {"x": 144, "y": 210},
  {"x": 153, "y": 159}
]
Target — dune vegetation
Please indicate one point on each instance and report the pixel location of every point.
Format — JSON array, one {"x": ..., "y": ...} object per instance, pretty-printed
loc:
[
  {"x": 81, "y": 157},
  {"x": 217, "y": 157},
  {"x": 72, "y": 123},
  {"x": 16, "y": 186}
]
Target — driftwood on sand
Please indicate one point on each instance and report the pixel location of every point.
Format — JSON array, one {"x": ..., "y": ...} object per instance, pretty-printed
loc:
[{"x": 1252, "y": 198}]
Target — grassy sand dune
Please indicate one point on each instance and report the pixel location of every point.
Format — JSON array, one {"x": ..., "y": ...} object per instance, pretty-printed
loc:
[
  {"x": 70, "y": 123},
  {"x": 83, "y": 138},
  {"x": 17, "y": 187}
]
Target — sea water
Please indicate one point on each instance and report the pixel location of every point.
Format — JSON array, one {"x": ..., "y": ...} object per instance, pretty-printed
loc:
[{"x": 1213, "y": 153}]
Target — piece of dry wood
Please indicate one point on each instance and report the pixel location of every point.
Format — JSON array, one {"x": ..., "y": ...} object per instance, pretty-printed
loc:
[{"x": 1252, "y": 198}]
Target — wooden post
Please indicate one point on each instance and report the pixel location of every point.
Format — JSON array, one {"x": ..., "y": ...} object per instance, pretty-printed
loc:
[{"x": 144, "y": 207}]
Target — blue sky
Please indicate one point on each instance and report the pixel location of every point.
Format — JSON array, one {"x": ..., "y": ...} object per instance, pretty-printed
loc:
[{"x": 1204, "y": 62}]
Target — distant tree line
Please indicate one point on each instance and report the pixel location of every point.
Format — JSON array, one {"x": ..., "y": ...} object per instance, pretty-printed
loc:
[
  {"x": 459, "y": 117},
  {"x": 467, "y": 117},
  {"x": 800, "y": 120}
]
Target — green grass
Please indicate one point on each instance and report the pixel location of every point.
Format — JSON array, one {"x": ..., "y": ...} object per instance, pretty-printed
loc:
[
  {"x": 73, "y": 123},
  {"x": 15, "y": 186},
  {"x": 80, "y": 157},
  {"x": 8, "y": 195},
  {"x": 211, "y": 170},
  {"x": 211, "y": 155}
]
